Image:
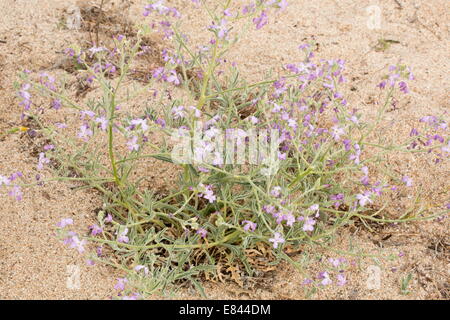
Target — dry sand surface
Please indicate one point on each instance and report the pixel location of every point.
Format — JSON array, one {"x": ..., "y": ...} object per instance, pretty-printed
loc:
[{"x": 34, "y": 264}]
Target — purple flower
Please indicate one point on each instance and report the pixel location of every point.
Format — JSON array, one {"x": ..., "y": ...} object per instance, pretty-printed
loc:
[
  {"x": 207, "y": 192},
  {"x": 382, "y": 84},
  {"x": 95, "y": 50},
  {"x": 337, "y": 198},
  {"x": 48, "y": 147},
  {"x": 276, "y": 192},
  {"x": 133, "y": 296},
  {"x": 355, "y": 157},
  {"x": 325, "y": 277},
  {"x": 364, "y": 198},
  {"x": 74, "y": 242},
  {"x": 108, "y": 218},
  {"x": 16, "y": 192},
  {"x": 337, "y": 132},
  {"x": 403, "y": 87},
  {"x": 414, "y": 132},
  {"x": 309, "y": 224},
  {"x": 56, "y": 104},
  {"x": 85, "y": 132},
  {"x": 341, "y": 279},
  {"x": 178, "y": 112},
  {"x": 95, "y": 230},
  {"x": 277, "y": 239},
  {"x": 42, "y": 160},
  {"x": 140, "y": 122},
  {"x": 141, "y": 267},
  {"x": 122, "y": 236},
  {"x": 103, "y": 122},
  {"x": 4, "y": 180},
  {"x": 202, "y": 232},
  {"x": 173, "y": 78},
  {"x": 90, "y": 262},
  {"x": 132, "y": 144},
  {"x": 408, "y": 181},
  {"x": 65, "y": 222},
  {"x": 260, "y": 21},
  {"x": 26, "y": 96},
  {"x": 248, "y": 225},
  {"x": 120, "y": 285}
]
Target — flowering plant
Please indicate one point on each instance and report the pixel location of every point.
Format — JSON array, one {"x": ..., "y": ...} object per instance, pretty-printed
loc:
[{"x": 279, "y": 163}]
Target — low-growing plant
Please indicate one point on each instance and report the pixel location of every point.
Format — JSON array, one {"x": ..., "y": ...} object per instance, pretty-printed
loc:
[{"x": 266, "y": 167}]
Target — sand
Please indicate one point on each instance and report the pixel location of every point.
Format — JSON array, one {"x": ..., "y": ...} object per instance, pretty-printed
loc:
[{"x": 35, "y": 265}]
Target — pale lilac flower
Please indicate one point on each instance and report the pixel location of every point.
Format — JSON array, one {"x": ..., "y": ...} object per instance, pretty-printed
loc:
[
  {"x": 283, "y": 4},
  {"x": 249, "y": 225},
  {"x": 207, "y": 192},
  {"x": 315, "y": 208},
  {"x": 178, "y": 112},
  {"x": 48, "y": 147},
  {"x": 222, "y": 29},
  {"x": 140, "y": 122},
  {"x": 103, "y": 122},
  {"x": 120, "y": 285},
  {"x": 307, "y": 282},
  {"x": 403, "y": 87},
  {"x": 16, "y": 192},
  {"x": 132, "y": 144},
  {"x": 86, "y": 113},
  {"x": 202, "y": 232},
  {"x": 355, "y": 157},
  {"x": 157, "y": 6},
  {"x": 173, "y": 78},
  {"x": 4, "y": 180},
  {"x": 261, "y": 20},
  {"x": 336, "y": 262},
  {"x": 309, "y": 224},
  {"x": 325, "y": 277},
  {"x": 122, "y": 236},
  {"x": 99, "y": 251},
  {"x": 141, "y": 267},
  {"x": 277, "y": 239},
  {"x": 95, "y": 229},
  {"x": 408, "y": 181},
  {"x": 290, "y": 219},
  {"x": 364, "y": 198},
  {"x": 197, "y": 113},
  {"x": 269, "y": 209},
  {"x": 277, "y": 108},
  {"x": 95, "y": 50},
  {"x": 75, "y": 243},
  {"x": 341, "y": 279},
  {"x": 26, "y": 96},
  {"x": 276, "y": 192},
  {"x": 108, "y": 218},
  {"x": 56, "y": 104},
  {"x": 133, "y": 296},
  {"x": 65, "y": 222},
  {"x": 90, "y": 262},
  {"x": 227, "y": 12},
  {"x": 85, "y": 132},
  {"x": 42, "y": 160},
  {"x": 337, "y": 132},
  {"x": 61, "y": 125}
]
